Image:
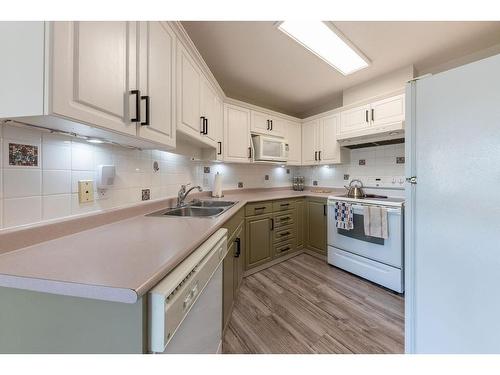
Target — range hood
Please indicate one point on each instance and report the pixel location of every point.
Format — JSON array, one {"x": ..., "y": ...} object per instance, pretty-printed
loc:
[{"x": 376, "y": 138}]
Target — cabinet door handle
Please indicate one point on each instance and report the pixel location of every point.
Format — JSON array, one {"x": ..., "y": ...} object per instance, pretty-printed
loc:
[
  {"x": 249, "y": 152},
  {"x": 373, "y": 114},
  {"x": 324, "y": 210},
  {"x": 202, "y": 118},
  {"x": 146, "y": 97},
  {"x": 315, "y": 155},
  {"x": 137, "y": 117},
  {"x": 271, "y": 124},
  {"x": 268, "y": 126},
  {"x": 238, "y": 247},
  {"x": 220, "y": 148},
  {"x": 366, "y": 115},
  {"x": 319, "y": 155},
  {"x": 206, "y": 126},
  {"x": 272, "y": 223}
]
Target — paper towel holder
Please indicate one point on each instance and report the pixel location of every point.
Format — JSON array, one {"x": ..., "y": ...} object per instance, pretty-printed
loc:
[{"x": 214, "y": 195}]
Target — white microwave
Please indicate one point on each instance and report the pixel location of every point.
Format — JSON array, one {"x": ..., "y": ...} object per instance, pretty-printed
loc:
[{"x": 272, "y": 149}]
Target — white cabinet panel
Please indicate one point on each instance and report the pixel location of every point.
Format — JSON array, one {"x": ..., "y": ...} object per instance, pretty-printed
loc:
[
  {"x": 330, "y": 149},
  {"x": 217, "y": 128},
  {"x": 189, "y": 87},
  {"x": 236, "y": 134},
  {"x": 90, "y": 73},
  {"x": 210, "y": 110},
  {"x": 310, "y": 136},
  {"x": 264, "y": 123},
  {"x": 294, "y": 137},
  {"x": 157, "y": 47},
  {"x": 387, "y": 111},
  {"x": 355, "y": 119}
]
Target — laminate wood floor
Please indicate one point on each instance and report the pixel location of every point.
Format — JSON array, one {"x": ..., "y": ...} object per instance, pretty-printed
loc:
[{"x": 304, "y": 305}]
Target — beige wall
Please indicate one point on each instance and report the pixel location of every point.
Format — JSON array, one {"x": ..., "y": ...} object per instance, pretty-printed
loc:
[{"x": 390, "y": 82}]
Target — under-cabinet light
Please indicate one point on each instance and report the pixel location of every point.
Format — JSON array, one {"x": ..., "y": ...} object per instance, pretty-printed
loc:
[{"x": 322, "y": 39}]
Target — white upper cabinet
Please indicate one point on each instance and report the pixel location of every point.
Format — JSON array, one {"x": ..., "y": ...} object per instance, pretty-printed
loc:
[
  {"x": 198, "y": 105},
  {"x": 90, "y": 75},
  {"x": 157, "y": 47},
  {"x": 388, "y": 111},
  {"x": 310, "y": 142},
  {"x": 237, "y": 134},
  {"x": 355, "y": 119},
  {"x": 189, "y": 94},
  {"x": 330, "y": 150},
  {"x": 294, "y": 138},
  {"x": 378, "y": 117},
  {"x": 264, "y": 123},
  {"x": 319, "y": 142}
]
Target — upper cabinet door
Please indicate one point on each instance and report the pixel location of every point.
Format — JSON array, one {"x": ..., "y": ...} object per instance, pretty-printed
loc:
[
  {"x": 189, "y": 86},
  {"x": 157, "y": 47},
  {"x": 90, "y": 74},
  {"x": 236, "y": 134},
  {"x": 310, "y": 147},
  {"x": 218, "y": 129},
  {"x": 355, "y": 120},
  {"x": 261, "y": 122},
  {"x": 388, "y": 111},
  {"x": 210, "y": 108},
  {"x": 294, "y": 136},
  {"x": 330, "y": 149},
  {"x": 278, "y": 127}
]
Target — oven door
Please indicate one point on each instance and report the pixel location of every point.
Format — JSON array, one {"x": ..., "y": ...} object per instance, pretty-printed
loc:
[{"x": 389, "y": 251}]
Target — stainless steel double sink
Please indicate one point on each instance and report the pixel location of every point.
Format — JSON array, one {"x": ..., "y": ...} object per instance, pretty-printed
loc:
[{"x": 196, "y": 208}]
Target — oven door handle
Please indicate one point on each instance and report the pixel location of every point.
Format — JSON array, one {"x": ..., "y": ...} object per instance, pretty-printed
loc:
[{"x": 358, "y": 208}]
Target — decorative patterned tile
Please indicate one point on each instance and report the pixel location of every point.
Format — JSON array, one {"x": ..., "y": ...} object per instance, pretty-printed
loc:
[{"x": 23, "y": 155}]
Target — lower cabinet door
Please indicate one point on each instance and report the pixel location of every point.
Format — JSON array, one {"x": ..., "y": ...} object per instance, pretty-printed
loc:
[
  {"x": 258, "y": 231},
  {"x": 316, "y": 226},
  {"x": 239, "y": 256},
  {"x": 227, "y": 285}
]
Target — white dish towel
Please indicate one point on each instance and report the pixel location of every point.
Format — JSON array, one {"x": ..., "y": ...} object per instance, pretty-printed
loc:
[{"x": 375, "y": 220}]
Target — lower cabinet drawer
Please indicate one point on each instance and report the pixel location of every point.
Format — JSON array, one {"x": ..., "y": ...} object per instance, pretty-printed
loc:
[
  {"x": 283, "y": 205},
  {"x": 258, "y": 208},
  {"x": 284, "y": 233},
  {"x": 284, "y": 219},
  {"x": 284, "y": 248}
]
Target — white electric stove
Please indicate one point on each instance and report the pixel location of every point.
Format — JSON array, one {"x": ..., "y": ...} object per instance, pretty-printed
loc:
[{"x": 376, "y": 259}]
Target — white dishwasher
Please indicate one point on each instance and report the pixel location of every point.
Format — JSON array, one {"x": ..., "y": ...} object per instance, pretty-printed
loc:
[{"x": 185, "y": 308}]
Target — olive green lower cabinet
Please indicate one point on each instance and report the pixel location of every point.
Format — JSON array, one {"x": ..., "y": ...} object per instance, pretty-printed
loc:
[
  {"x": 233, "y": 265},
  {"x": 316, "y": 225},
  {"x": 259, "y": 240}
]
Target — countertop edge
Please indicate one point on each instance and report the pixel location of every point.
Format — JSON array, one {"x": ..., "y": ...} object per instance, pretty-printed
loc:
[{"x": 97, "y": 292}]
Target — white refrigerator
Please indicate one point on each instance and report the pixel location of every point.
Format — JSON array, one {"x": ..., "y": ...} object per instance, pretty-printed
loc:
[{"x": 452, "y": 219}]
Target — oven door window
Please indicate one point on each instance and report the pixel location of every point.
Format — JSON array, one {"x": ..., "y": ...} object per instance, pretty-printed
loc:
[{"x": 358, "y": 232}]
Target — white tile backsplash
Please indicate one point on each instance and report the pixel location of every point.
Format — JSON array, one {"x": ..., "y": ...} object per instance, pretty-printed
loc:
[{"x": 29, "y": 195}]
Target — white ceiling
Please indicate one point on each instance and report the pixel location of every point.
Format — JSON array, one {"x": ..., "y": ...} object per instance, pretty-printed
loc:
[{"x": 254, "y": 62}]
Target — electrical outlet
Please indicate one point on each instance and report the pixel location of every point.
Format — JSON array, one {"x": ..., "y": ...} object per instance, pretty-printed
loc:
[
  {"x": 315, "y": 183},
  {"x": 288, "y": 171},
  {"x": 206, "y": 169},
  {"x": 266, "y": 177},
  {"x": 346, "y": 177},
  {"x": 85, "y": 191},
  {"x": 240, "y": 184}
]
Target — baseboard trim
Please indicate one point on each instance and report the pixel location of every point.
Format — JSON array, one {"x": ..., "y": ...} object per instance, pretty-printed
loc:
[
  {"x": 315, "y": 254},
  {"x": 272, "y": 263}
]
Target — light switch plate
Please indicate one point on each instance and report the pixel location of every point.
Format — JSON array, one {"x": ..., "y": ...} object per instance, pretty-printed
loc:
[{"x": 85, "y": 191}]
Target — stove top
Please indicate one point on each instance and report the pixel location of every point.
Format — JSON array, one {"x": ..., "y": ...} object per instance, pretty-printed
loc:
[{"x": 370, "y": 199}]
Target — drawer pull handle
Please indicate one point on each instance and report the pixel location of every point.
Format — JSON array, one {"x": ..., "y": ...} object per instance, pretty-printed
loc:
[
  {"x": 283, "y": 249},
  {"x": 285, "y": 218},
  {"x": 284, "y": 204},
  {"x": 284, "y": 233}
]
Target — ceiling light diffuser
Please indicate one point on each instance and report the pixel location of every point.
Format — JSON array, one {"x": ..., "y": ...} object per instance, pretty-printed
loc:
[{"x": 322, "y": 39}]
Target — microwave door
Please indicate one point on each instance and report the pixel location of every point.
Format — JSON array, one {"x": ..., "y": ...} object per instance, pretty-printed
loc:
[{"x": 271, "y": 149}]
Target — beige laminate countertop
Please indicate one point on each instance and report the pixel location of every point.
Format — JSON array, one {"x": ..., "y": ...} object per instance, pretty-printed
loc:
[{"x": 120, "y": 261}]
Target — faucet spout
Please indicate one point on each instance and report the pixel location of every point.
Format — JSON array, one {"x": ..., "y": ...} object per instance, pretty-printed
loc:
[{"x": 183, "y": 193}]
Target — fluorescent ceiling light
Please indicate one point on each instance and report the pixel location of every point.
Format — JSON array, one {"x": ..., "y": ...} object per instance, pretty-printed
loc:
[{"x": 327, "y": 43}]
